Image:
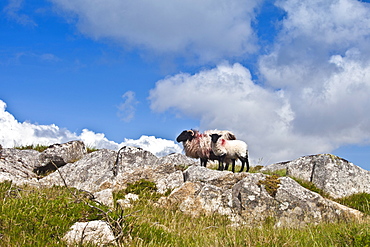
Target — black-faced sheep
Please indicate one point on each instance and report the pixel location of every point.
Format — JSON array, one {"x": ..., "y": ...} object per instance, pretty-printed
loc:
[
  {"x": 198, "y": 145},
  {"x": 229, "y": 149}
]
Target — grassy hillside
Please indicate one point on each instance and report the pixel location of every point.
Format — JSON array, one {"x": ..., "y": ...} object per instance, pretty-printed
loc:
[{"x": 41, "y": 217}]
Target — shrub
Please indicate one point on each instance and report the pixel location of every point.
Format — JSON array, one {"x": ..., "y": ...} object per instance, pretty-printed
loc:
[{"x": 271, "y": 183}]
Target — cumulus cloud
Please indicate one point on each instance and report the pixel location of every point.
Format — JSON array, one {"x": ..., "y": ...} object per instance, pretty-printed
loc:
[
  {"x": 227, "y": 98},
  {"x": 14, "y": 133},
  {"x": 311, "y": 33},
  {"x": 205, "y": 29},
  {"x": 313, "y": 88},
  {"x": 157, "y": 146},
  {"x": 274, "y": 125},
  {"x": 321, "y": 59}
]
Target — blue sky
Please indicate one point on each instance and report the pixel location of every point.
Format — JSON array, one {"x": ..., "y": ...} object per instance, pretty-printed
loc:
[{"x": 289, "y": 77}]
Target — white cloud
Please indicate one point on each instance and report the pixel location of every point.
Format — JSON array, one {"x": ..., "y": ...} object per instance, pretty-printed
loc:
[
  {"x": 336, "y": 23},
  {"x": 205, "y": 29},
  {"x": 321, "y": 60},
  {"x": 14, "y": 133},
  {"x": 278, "y": 125},
  {"x": 157, "y": 146},
  {"x": 314, "y": 94},
  {"x": 226, "y": 98},
  {"x": 126, "y": 110}
]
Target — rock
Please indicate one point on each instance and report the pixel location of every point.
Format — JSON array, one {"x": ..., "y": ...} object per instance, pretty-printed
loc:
[
  {"x": 93, "y": 232},
  {"x": 18, "y": 165},
  {"x": 292, "y": 205},
  {"x": 133, "y": 158},
  {"x": 146, "y": 166},
  {"x": 169, "y": 182},
  {"x": 334, "y": 175},
  {"x": 105, "y": 169},
  {"x": 218, "y": 178},
  {"x": 248, "y": 202},
  {"x": 105, "y": 197},
  {"x": 93, "y": 173},
  {"x": 179, "y": 160},
  {"x": 59, "y": 155}
]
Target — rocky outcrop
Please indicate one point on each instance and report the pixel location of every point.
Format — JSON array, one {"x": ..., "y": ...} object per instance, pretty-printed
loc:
[
  {"x": 334, "y": 175},
  {"x": 105, "y": 169},
  {"x": 246, "y": 199},
  {"x": 24, "y": 166}
]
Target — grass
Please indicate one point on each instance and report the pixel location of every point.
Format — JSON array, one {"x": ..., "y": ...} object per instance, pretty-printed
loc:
[
  {"x": 42, "y": 148},
  {"x": 311, "y": 186},
  {"x": 360, "y": 201},
  {"x": 37, "y": 147},
  {"x": 41, "y": 217}
]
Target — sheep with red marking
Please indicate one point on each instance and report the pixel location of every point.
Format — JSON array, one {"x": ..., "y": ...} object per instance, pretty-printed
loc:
[
  {"x": 229, "y": 149},
  {"x": 198, "y": 145}
]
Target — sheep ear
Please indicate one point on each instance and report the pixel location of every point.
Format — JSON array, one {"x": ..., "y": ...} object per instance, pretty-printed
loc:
[
  {"x": 231, "y": 136},
  {"x": 191, "y": 132}
]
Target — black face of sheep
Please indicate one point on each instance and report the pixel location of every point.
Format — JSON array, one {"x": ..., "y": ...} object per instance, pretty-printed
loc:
[
  {"x": 186, "y": 135},
  {"x": 215, "y": 137}
]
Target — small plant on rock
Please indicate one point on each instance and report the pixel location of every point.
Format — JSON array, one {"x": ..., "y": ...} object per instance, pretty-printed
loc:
[{"x": 271, "y": 183}]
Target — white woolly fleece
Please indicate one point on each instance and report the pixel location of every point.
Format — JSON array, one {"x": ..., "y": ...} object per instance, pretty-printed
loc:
[
  {"x": 232, "y": 148},
  {"x": 200, "y": 146}
]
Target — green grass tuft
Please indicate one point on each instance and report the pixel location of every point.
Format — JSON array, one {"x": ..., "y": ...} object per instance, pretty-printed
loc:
[
  {"x": 360, "y": 201},
  {"x": 311, "y": 186},
  {"x": 279, "y": 173},
  {"x": 91, "y": 149},
  {"x": 37, "y": 147}
]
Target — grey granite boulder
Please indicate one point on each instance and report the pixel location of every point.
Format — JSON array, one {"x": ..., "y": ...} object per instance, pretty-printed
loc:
[
  {"x": 94, "y": 172},
  {"x": 97, "y": 232},
  {"x": 332, "y": 174},
  {"x": 18, "y": 165},
  {"x": 58, "y": 155},
  {"x": 249, "y": 202}
]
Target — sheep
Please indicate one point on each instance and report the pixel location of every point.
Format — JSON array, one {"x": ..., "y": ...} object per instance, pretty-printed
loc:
[
  {"x": 198, "y": 145},
  {"x": 229, "y": 149}
]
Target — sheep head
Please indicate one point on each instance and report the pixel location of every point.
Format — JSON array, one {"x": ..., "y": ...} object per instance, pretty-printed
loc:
[
  {"x": 215, "y": 137},
  {"x": 186, "y": 135}
]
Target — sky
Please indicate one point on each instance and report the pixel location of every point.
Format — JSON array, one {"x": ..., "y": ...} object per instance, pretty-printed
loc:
[{"x": 289, "y": 77}]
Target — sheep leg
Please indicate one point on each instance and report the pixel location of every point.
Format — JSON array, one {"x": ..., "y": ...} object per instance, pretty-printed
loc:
[
  {"x": 203, "y": 162},
  {"x": 233, "y": 166},
  {"x": 226, "y": 166},
  {"x": 220, "y": 162},
  {"x": 244, "y": 162},
  {"x": 247, "y": 161}
]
